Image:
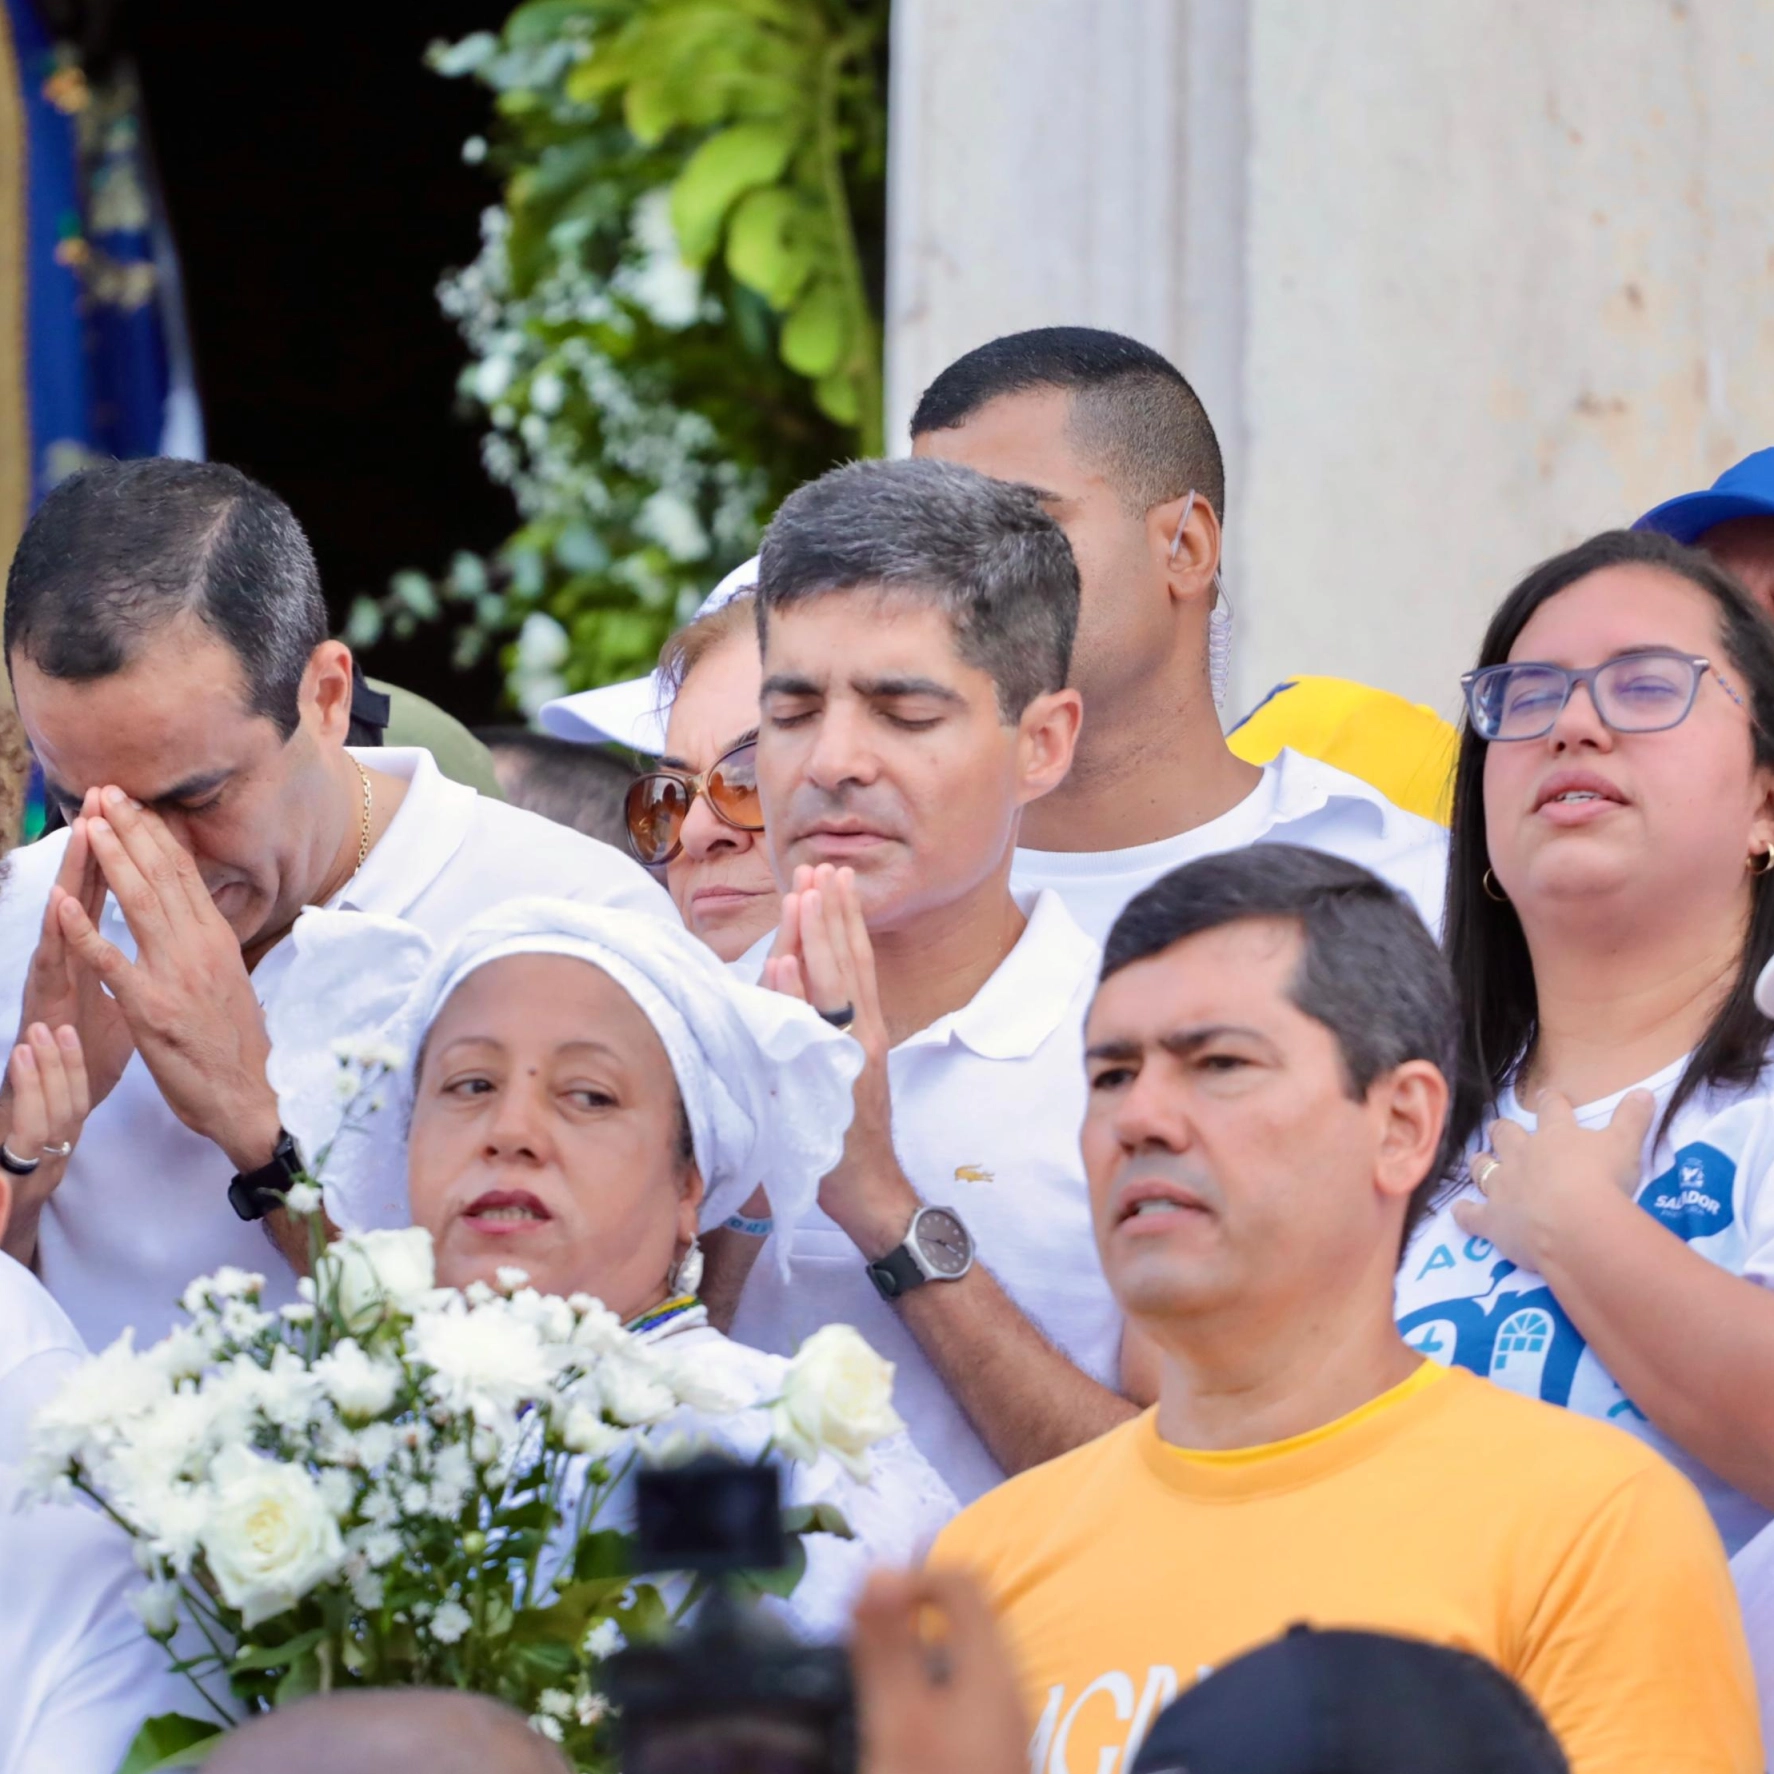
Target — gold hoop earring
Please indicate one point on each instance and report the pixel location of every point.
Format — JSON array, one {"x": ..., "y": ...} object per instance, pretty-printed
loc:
[
  {"x": 1766, "y": 860},
  {"x": 1488, "y": 882}
]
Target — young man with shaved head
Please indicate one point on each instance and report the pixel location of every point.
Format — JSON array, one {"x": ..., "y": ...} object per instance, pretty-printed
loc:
[{"x": 1126, "y": 461}]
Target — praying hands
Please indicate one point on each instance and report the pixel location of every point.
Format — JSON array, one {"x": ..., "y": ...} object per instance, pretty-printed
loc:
[
  {"x": 823, "y": 956},
  {"x": 185, "y": 1002}
]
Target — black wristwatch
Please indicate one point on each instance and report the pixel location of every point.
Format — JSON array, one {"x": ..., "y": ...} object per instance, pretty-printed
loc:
[
  {"x": 254, "y": 1193},
  {"x": 937, "y": 1248}
]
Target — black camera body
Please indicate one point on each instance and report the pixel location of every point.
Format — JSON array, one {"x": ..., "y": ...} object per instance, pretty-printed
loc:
[{"x": 735, "y": 1693}]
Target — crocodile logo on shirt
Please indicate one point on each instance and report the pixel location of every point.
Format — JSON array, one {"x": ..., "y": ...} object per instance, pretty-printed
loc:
[{"x": 972, "y": 1173}]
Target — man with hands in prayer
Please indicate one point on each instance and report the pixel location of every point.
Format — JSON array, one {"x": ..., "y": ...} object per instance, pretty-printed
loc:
[
  {"x": 167, "y": 643},
  {"x": 916, "y": 622}
]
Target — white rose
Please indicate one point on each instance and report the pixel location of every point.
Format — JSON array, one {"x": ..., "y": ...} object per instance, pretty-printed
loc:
[
  {"x": 156, "y": 1605},
  {"x": 359, "y": 1385},
  {"x": 270, "y": 1537},
  {"x": 370, "y": 1274},
  {"x": 837, "y": 1398}
]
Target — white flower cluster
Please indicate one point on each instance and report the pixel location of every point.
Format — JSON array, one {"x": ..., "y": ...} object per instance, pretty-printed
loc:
[{"x": 389, "y": 1442}]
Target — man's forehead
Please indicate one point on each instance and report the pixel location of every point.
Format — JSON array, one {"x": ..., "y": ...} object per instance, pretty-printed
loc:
[
  {"x": 1021, "y": 436},
  {"x": 151, "y": 734},
  {"x": 864, "y": 632},
  {"x": 1238, "y": 972}
]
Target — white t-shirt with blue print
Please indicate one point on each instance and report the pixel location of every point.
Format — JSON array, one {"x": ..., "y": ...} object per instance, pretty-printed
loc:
[{"x": 1710, "y": 1181}]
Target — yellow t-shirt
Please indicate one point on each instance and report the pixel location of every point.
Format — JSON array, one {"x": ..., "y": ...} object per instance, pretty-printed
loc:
[
  {"x": 1403, "y": 749},
  {"x": 1447, "y": 1509}
]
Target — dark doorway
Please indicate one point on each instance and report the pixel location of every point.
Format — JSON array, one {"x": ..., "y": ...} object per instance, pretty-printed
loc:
[{"x": 312, "y": 170}]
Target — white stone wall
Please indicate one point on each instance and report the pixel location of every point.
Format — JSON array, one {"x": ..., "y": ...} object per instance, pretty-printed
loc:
[{"x": 1459, "y": 282}]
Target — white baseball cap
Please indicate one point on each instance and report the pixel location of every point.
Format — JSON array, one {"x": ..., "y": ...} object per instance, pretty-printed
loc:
[{"x": 633, "y": 713}]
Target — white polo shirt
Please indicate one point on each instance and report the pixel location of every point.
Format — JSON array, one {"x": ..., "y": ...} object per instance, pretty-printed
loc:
[
  {"x": 1298, "y": 801},
  {"x": 78, "y": 1675},
  {"x": 144, "y": 1206},
  {"x": 987, "y": 1104}
]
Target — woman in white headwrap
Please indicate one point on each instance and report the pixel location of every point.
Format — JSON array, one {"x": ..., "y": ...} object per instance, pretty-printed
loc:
[{"x": 573, "y": 1092}]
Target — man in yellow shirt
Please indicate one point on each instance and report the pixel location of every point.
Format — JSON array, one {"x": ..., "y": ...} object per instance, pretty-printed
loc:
[{"x": 1268, "y": 1057}]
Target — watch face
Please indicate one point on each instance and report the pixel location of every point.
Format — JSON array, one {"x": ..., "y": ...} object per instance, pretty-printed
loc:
[{"x": 944, "y": 1242}]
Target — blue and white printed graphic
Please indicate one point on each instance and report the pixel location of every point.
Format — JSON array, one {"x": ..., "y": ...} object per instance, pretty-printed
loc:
[{"x": 1463, "y": 1303}]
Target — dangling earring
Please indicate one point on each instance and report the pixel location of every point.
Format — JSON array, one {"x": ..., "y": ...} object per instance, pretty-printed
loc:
[
  {"x": 1488, "y": 882},
  {"x": 1766, "y": 860},
  {"x": 686, "y": 1276}
]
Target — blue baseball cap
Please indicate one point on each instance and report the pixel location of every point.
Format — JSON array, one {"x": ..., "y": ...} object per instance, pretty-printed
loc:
[{"x": 1746, "y": 490}]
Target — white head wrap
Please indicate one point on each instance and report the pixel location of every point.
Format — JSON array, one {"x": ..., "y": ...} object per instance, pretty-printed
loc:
[{"x": 766, "y": 1084}]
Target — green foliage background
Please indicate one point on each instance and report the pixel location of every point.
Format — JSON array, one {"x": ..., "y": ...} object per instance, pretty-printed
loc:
[{"x": 673, "y": 320}]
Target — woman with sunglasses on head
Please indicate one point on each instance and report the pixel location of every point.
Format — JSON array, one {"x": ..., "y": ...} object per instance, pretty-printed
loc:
[
  {"x": 1610, "y": 1242},
  {"x": 697, "y": 814}
]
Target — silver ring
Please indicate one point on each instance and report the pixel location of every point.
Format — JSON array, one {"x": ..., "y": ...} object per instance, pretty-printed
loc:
[
  {"x": 1482, "y": 1177},
  {"x": 60, "y": 1151},
  {"x": 13, "y": 1165},
  {"x": 839, "y": 1019}
]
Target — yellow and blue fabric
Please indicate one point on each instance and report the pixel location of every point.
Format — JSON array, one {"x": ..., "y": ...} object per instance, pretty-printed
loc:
[{"x": 1403, "y": 749}]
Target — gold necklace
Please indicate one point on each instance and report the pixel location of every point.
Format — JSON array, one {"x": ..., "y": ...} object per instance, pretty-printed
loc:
[{"x": 363, "y": 836}]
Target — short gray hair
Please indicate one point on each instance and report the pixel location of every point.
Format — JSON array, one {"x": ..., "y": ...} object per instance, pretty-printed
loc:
[{"x": 984, "y": 550}]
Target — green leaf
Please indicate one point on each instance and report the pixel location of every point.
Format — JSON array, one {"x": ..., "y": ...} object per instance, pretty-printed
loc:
[
  {"x": 363, "y": 626},
  {"x": 837, "y": 398},
  {"x": 787, "y": 1577},
  {"x": 650, "y": 108},
  {"x": 170, "y": 1740},
  {"x": 646, "y": 1618},
  {"x": 817, "y": 1518},
  {"x": 414, "y": 592},
  {"x": 721, "y": 171},
  {"x": 766, "y": 248},
  {"x": 300, "y": 1679},
  {"x": 543, "y": 20},
  {"x": 814, "y": 337},
  {"x": 276, "y": 1656},
  {"x": 580, "y": 549},
  {"x": 601, "y": 1554}
]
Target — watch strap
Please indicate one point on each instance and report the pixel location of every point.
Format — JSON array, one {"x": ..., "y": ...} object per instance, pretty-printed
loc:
[
  {"x": 897, "y": 1273},
  {"x": 255, "y": 1193}
]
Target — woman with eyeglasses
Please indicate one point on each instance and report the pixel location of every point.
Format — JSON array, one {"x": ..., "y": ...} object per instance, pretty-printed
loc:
[
  {"x": 697, "y": 814},
  {"x": 1609, "y": 1243}
]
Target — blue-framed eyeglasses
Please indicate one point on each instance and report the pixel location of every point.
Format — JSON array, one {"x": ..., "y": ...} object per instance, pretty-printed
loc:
[{"x": 1645, "y": 692}]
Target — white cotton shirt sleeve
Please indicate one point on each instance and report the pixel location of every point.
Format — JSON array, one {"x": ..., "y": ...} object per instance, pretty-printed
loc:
[
  {"x": 1756, "y": 1192},
  {"x": 78, "y": 1675}
]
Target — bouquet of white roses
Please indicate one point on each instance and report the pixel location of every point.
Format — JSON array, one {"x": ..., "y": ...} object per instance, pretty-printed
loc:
[{"x": 391, "y": 1484}]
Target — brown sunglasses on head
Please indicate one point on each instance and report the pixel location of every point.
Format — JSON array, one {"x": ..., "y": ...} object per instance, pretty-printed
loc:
[{"x": 658, "y": 803}]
